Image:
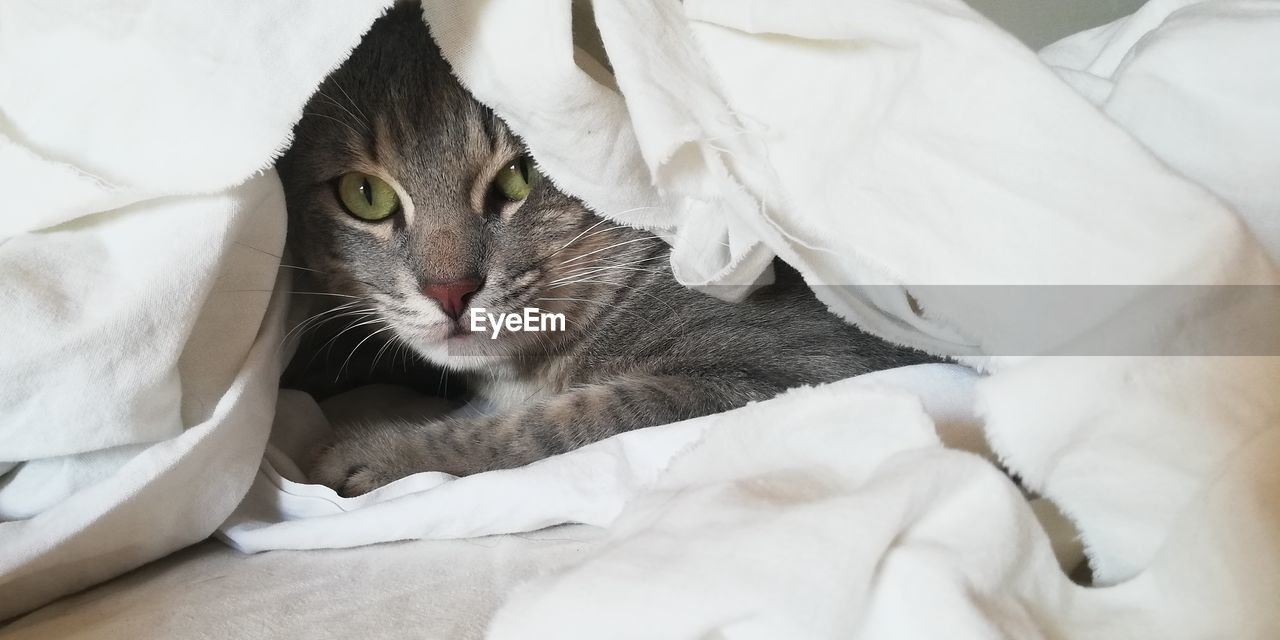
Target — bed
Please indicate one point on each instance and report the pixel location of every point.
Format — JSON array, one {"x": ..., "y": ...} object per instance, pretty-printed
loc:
[{"x": 1096, "y": 461}]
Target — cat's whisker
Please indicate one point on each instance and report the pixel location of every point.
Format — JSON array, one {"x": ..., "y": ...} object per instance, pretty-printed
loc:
[
  {"x": 575, "y": 239},
  {"x": 583, "y": 271},
  {"x": 628, "y": 287},
  {"x": 610, "y": 229},
  {"x": 444, "y": 382},
  {"x": 339, "y": 105},
  {"x": 584, "y": 235},
  {"x": 592, "y": 268},
  {"x": 612, "y": 246},
  {"x": 253, "y": 248},
  {"x": 357, "y": 348},
  {"x": 348, "y": 126},
  {"x": 278, "y": 257},
  {"x": 599, "y": 302},
  {"x": 353, "y": 315},
  {"x": 341, "y": 311},
  {"x": 585, "y": 281},
  {"x": 626, "y": 256},
  {"x": 359, "y": 322},
  {"x": 631, "y": 210},
  {"x": 613, "y": 267},
  {"x": 339, "y": 308},
  {"x": 609, "y": 270},
  {"x": 294, "y": 266},
  {"x": 381, "y": 351},
  {"x": 589, "y": 264},
  {"x": 352, "y": 102},
  {"x": 581, "y": 236},
  {"x": 570, "y": 278},
  {"x": 299, "y": 293},
  {"x": 401, "y": 354},
  {"x": 326, "y": 293}
]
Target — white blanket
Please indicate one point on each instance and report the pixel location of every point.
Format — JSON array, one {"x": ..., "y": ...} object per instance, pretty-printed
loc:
[
  {"x": 139, "y": 244},
  {"x": 904, "y": 145},
  {"x": 587, "y": 486}
]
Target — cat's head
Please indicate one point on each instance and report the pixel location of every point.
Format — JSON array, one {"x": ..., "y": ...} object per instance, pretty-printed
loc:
[{"x": 411, "y": 197}]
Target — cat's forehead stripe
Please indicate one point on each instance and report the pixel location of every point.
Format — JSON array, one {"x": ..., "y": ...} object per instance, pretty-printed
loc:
[
  {"x": 386, "y": 152},
  {"x": 490, "y": 129}
]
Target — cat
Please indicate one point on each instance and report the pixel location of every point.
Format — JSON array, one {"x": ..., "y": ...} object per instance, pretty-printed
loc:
[{"x": 415, "y": 202}]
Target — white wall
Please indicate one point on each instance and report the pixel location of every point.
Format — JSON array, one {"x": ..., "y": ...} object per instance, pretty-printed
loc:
[{"x": 1040, "y": 22}]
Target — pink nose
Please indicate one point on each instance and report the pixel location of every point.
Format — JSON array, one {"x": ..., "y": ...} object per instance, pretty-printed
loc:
[{"x": 452, "y": 296}]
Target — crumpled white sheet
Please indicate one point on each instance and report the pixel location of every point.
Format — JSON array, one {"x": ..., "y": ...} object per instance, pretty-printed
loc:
[
  {"x": 844, "y": 520},
  {"x": 1161, "y": 461},
  {"x": 912, "y": 145},
  {"x": 1029, "y": 184},
  {"x": 902, "y": 144},
  {"x": 587, "y": 486},
  {"x": 139, "y": 244}
]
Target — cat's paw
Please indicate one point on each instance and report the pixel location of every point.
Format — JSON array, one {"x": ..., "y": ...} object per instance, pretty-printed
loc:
[{"x": 365, "y": 460}]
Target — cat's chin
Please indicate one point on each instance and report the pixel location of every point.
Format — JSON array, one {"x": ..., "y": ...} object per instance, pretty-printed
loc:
[
  {"x": 471, "y": 344},
  {"x": 462, "y": 351}
]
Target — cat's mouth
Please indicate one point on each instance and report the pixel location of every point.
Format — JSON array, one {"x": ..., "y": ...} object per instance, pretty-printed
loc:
[
  {"x": 452, "y": 343},
  {"x": 481, "y": 331},
  {"x": 491, "y": 322},
  {"x": 473, "y": 325}
]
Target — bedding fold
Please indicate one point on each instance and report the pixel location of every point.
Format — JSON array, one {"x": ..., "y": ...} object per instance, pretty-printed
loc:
[
  {"x": 909, "y": 158},
  {"x": 140, "y": 242}
]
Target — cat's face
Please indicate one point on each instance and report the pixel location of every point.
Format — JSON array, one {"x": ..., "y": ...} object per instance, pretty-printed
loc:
[{"x": 407, "y": 194}]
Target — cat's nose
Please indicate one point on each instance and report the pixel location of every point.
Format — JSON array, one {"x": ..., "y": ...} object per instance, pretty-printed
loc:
[{"x": 452, "y": 296}]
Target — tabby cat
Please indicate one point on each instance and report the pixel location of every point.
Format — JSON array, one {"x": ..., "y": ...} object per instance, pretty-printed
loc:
[{"x": 415, "y": 202}]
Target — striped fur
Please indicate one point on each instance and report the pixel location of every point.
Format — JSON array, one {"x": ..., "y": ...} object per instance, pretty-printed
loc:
[{"x": 639, "y": 349}]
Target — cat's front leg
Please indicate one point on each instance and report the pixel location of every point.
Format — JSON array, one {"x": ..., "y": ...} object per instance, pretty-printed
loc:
[{"x": 365, "y": 459}]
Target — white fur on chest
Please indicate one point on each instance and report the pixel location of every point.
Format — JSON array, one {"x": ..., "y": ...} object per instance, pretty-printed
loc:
[{"x": 503, "y": 394}]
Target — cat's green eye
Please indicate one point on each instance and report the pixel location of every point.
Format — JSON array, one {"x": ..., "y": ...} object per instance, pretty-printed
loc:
[
  {"x": 367, "y": 197},
  {"x": 514, "y": 180}
]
